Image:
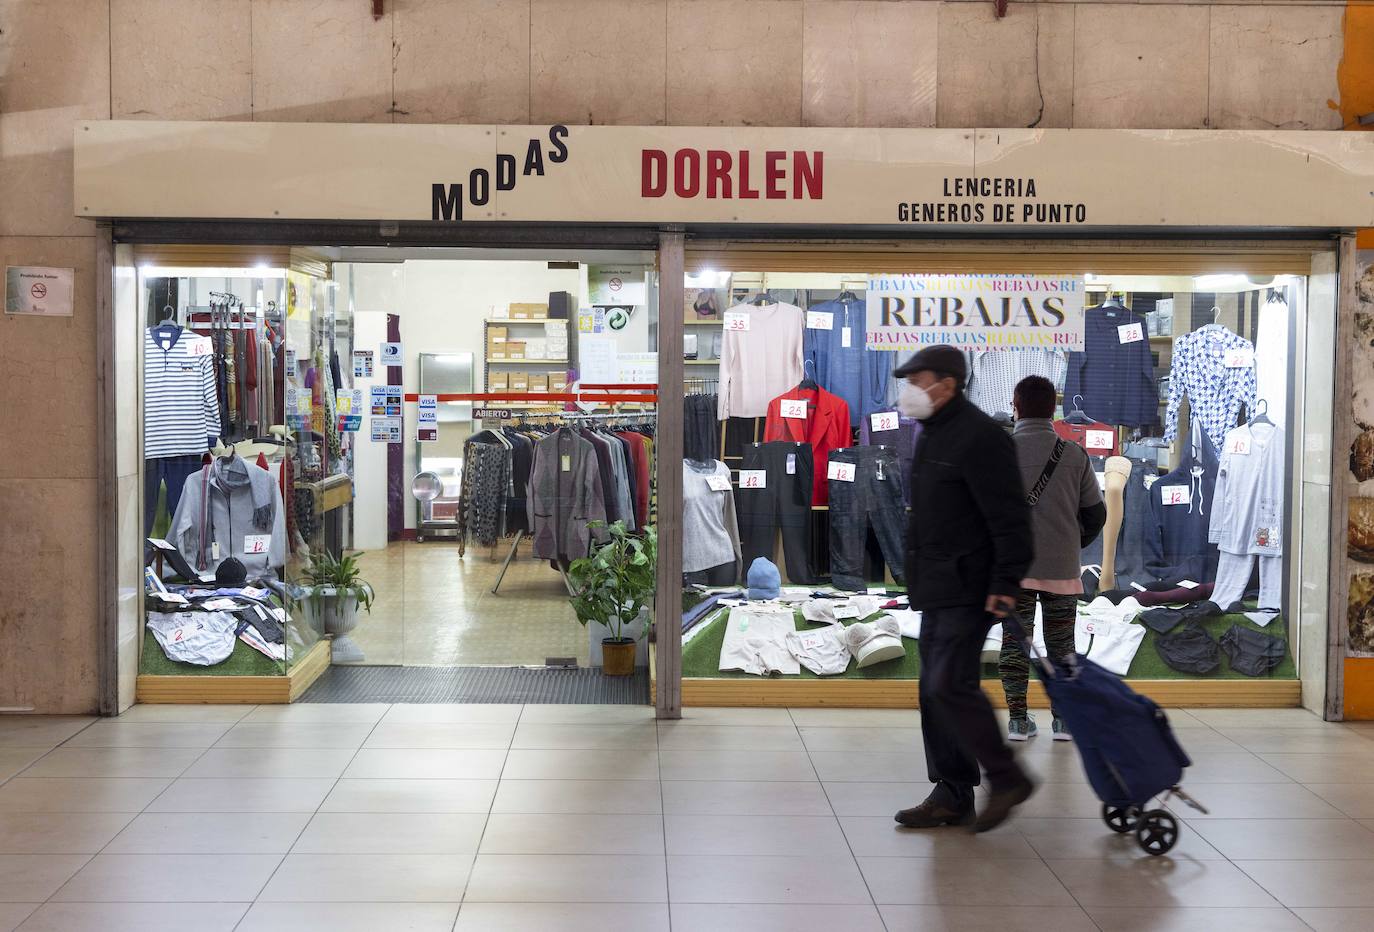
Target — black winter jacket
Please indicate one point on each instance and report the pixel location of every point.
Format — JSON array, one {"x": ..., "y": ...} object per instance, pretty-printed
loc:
[{"x": 969, "y": 535}]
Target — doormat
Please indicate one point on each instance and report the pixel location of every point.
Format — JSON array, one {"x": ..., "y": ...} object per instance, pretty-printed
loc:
[{"x": 584, "y": 686}]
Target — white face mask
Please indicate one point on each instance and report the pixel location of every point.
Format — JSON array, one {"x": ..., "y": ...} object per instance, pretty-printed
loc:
[{"x": 914, "y": 401}]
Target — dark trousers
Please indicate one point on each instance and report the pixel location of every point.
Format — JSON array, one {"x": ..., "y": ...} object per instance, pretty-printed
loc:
[
  {"x": 958, "y": 726},
  {"x": 726, "y": 574},
  {"x": 700, "y": 429},
  {"x": 872, "y": 500},
  {"x": 1059, "y": 613},
  {"x": 783, "y": 504},
  {"x": 170, "y": 469}
]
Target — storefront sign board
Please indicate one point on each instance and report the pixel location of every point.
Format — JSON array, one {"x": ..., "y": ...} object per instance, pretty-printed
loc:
[{"x": 977, "y": 312}]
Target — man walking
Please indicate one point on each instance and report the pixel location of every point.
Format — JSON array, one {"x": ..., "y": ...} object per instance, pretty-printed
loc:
[
  {"x": 967, "y": 549},
  {"x": 1066, "y": 514}
]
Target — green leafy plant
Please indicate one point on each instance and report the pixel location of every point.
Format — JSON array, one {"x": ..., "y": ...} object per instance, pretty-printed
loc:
[
  {"x": 615, "y": 582},
  {"x": 326, "y": 571}
]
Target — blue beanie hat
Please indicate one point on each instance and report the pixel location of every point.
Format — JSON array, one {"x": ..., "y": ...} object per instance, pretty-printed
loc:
[{"x": 764, "y": 580}]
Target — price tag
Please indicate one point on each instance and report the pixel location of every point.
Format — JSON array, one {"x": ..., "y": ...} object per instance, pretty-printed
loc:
[
  {"x": 841, "y": 472},
  {"x": 791, "y": 464},
  {"x": 753, "y": 478},
  {"x": 718, "y": 483},
  {"x": 1239, "y": 444},
  {"x": 846, "y": 337},
  {"x": 199, "y": 347},
  {"x": 1239, "y": 358},
  {"x": 257, "y": 543},
  {"x": 812, "y": 641},
  {"x": 1130, "y": 333},
  {"x": 1089, "y": 627},
  {"x": 1177, "y": 495},
  {"x": 884, "y": 420},
  {"x": 737, "y": 321},
  {"x": 820, "y": 320},
  {"x": 793, "y": 409},
  {"x": 1187, "y": 584},
  {"x": 565, "y": 462},
  {"x": 1098, "y": 440}
]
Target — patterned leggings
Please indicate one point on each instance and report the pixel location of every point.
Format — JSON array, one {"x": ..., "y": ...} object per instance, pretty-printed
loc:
[{"x": 1059, "y": 612}]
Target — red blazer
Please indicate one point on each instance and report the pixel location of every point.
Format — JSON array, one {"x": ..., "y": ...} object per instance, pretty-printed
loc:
[{"x": 825, "y": 428}]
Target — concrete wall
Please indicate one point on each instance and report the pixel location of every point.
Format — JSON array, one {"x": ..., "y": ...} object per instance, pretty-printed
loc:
[{"x": 685, "y": 62}]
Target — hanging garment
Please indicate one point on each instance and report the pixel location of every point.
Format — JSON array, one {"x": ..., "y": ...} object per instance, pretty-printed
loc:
[
  {"x": 231, "y": 508},
  {"x": 1136, "y": 525},
  {"x": 170, "y": 471},
  {"x": 877, "y": 430},
  {"x": 200, "y": 638},
  {"x": 1115, "y": 374},
  {"x": 700, "y": 430},
  {"x": 180, "y": 406},
  {"x": 1233, "y": 578},
  {"x": 824, "y": 425},
  {"x": 1096, "y": 439},
  {"x": 1247, "y": 516},
  {"x": 993, "y": 375},
  {"x": 484, "y": 491},
  {"x": 522, "y": 460},
  {"x": 761, "y": 362},
  {"x": 1176, "y": 539},
  {"x": 565, "y": 496},
  {"x": 872, "y": 499},
  {"x": 1215, "y": 370},
  {"x": 710, "y": 532},
  {"x": 774, "y": 495},
  {"x": 1271, "y": 359},
  {"x": 640, "y": 453},
  {"x": 836, "y": 356},
  {"x": 756, "y": 640}
]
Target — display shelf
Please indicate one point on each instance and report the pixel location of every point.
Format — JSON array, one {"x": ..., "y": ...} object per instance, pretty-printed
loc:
[
  {"x": 701, "y": 362},
  {"x": 526, "y": 320},
  {"x": 703, "y": 323}
]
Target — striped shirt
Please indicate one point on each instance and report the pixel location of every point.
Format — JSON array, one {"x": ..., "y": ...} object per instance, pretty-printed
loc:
[{"x": 180, "y": 408}]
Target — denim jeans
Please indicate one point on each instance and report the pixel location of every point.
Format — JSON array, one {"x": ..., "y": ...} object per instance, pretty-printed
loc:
[{"x": 872, "y": 500}]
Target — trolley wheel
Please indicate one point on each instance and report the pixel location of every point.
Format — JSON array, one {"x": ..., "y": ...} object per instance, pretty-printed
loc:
[
  {"x": 1157, "y": 832},
  {"x": 1120, "y": 820}
]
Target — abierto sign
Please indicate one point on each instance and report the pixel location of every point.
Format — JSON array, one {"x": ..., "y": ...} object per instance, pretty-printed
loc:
[{"x": 976, "y": 312}]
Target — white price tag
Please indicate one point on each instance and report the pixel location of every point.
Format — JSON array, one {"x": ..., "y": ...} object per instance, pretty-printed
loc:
[
  {"x": 795, "y": 409},
  {"x": 1187, "y": 584},
  {"x": 884, "y": 420},
  {"x": 1130, "y": 333},
  {"x": 820, "y": 320},
  {"x": 847, "y": 337},
  {"x": 753, "y": 478},
  {"x": 1239, "y": 358},
  {"x": 812, "y": 641},
  {"x": 791, "y": 464},
  {"x": 1176, "y": 495},
  {"x": 199, "y": 347},
  {"x": 718, "y": 483},
  {"x": 841, "y": 472},
  {"x": 565, "y": 462},
  {"x": 257, "y": 543},
  {"x": 1239, "y": 444},
  {"x": 1098, "y": 440},
  {"x": 736, "y": 320}
]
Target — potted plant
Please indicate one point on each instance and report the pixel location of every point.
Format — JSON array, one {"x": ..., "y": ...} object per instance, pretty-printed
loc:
[
  {"x": 612, "y": 586},
  {"x": 337, "y": 590}
]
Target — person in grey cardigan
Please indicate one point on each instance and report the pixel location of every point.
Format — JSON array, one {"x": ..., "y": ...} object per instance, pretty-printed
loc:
[{"x": 1067, "y": 513}]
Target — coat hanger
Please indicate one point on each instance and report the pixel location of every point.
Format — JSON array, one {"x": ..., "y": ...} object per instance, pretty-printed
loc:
[
  {"x": 1261, "y": 415},
  {"x": 808, "y": 383},
  {"x": 1077, "y": 415},
  {"x": 847, "y": 296},
  {"x": 1112, "y": 300},
  {"x": 762, "y": 298}
]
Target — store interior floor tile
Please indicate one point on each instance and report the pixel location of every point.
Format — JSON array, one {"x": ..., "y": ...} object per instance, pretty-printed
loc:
[
  {"x": 487, "y": 817},
  {"x": 435, "y": 608}
]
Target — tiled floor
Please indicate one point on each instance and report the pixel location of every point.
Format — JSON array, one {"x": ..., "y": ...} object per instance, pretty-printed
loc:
[
  {"x": 436, "y": 608},
  {"x": 363, "y": 817}
]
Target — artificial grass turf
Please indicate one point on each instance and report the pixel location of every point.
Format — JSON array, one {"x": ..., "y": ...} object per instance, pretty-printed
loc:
[
  {"x": 701, "y": 656},
  {"x": 244, "y": 661}
]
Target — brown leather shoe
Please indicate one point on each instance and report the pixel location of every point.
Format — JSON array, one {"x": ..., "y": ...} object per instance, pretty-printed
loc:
[
  {"x": 1000, "y": 804},
  {"x": 932, "y": 814}
]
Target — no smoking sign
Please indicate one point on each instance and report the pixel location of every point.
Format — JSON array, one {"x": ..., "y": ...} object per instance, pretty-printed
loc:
[{"x": 39, "y": 290}]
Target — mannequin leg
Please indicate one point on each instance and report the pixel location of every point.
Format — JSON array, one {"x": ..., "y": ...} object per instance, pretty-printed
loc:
[
  {"x": 1118, "y": 471},
  {"x": 1233, "y": 573}
]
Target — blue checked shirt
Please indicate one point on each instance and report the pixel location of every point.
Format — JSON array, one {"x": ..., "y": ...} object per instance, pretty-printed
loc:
[{"x": 1216, "y": 393}]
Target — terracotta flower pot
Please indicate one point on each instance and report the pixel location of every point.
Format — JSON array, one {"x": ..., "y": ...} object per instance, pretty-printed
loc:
[{"x": 617, "y": 656}]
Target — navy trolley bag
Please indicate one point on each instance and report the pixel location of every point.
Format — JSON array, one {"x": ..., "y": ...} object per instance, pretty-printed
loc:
[{"x": 1129, "y": 752}]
